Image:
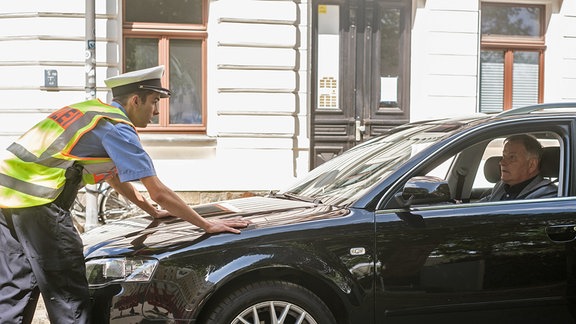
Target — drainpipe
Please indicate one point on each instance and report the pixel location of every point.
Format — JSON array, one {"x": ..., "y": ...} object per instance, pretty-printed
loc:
[{"x": 90, "y": 68}]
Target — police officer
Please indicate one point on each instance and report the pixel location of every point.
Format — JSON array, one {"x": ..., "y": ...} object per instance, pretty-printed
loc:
[{"x": 84, "y": 143}]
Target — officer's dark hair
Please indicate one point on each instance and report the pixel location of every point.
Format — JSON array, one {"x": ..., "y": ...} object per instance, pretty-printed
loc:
[{"x": 142, "y": 94}]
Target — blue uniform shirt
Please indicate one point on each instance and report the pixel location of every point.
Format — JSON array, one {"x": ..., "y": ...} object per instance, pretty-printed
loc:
[{"x": 120, "y": 142}]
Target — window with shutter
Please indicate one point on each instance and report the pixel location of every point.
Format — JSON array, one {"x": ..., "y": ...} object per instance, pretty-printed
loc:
[{"x": 512, "y": 56}]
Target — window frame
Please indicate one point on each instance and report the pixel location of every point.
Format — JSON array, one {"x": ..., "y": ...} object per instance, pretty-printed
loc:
[
  {"x": 511, "y": 44},
  {"x": 164, "y": 32}
]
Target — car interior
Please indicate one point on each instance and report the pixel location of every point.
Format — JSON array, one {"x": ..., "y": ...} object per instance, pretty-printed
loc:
[
  {"x": 472, "y": 172},
  {"x": 549, "y": 164},
  {"x": 469, "y": 174}
]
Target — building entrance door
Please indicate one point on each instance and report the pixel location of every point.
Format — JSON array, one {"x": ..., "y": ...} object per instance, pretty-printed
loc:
[{"x": 360, "y": 72}]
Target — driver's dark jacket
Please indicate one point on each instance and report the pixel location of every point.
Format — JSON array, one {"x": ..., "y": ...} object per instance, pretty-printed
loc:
[{"x": 537, "y": 188}]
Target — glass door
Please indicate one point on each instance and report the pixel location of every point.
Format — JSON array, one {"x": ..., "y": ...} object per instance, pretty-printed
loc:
[{"x": 361, "y": 73}]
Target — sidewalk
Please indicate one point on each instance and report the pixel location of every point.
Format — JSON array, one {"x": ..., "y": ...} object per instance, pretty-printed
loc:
[{"x": 40, "y": 316}]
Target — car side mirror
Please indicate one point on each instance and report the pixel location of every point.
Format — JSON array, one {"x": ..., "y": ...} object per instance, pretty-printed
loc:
[{"x": 424, "y": 190}]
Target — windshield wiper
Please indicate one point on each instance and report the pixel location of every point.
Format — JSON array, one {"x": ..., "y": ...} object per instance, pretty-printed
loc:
[{"x": 291, "y": 196}]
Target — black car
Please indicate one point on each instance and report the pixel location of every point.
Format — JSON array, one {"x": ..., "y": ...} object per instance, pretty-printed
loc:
[{"x": 391, "y": 231}]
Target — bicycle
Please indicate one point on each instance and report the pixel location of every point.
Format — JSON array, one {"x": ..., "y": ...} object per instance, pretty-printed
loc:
[{"x": 111, "y": 206}]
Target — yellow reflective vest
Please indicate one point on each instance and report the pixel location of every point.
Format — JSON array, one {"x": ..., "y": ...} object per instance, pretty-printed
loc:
[{"x": 34, "y": 172}]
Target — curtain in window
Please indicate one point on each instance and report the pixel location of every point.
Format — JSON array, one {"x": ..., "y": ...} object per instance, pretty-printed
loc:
[
  {"x": 525, "y": 79},
  {"x": 491, "y": 81}
]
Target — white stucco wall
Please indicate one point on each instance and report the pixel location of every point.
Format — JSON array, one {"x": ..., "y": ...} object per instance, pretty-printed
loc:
[
  {"x": 256, "y": 114},
  {"x": 444, "y": 59},
  {"x": 257, "y": 85},
  {"x": 445, "y": 48},
  {"x": 258, "y": 79},
  {"x": 560, "y": 66},
  {"x": 45, "y": 35}
]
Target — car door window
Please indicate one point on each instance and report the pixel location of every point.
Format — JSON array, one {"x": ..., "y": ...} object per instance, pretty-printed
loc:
[
  {"x": 488, "y": 173},
  {"x": 445, "y": 262},
  {"x": 473, "y": 172}
]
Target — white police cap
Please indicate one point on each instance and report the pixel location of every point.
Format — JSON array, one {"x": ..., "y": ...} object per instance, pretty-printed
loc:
[{"x": 130, "y": 82}]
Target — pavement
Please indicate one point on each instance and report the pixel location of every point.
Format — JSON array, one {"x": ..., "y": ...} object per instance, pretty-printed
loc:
[{"x": 40, "y": 316}]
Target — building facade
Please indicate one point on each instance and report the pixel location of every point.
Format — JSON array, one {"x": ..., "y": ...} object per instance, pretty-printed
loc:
[{"x": 266, "y": 90}]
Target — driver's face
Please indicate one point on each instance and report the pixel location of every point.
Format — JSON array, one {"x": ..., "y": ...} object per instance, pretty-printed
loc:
[{"x": 516, "y": 165}]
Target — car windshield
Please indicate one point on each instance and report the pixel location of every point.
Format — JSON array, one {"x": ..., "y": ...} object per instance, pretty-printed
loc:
[{"x": 345, "y": 178}]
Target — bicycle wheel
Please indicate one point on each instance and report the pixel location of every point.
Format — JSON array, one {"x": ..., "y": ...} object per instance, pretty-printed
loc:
[{"x": 114, "y": 206}]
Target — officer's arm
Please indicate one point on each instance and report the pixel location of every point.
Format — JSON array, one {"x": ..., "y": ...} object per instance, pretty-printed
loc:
[
  {"x": 170, "y": 201},
  {"x": 127, "y": 190}
]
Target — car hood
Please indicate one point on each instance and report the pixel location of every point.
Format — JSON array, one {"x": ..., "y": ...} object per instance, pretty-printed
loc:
[{"x": 144, "y": 235}]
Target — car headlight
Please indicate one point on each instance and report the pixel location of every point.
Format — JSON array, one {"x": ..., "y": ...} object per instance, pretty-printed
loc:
[{"x": 101, "y": 272}]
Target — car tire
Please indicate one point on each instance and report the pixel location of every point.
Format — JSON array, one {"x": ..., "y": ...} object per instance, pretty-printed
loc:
[{"x": 271, "y": 302}]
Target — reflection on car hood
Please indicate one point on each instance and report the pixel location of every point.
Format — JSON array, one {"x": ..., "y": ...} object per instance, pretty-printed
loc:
[{"x": 145, "y": 235}]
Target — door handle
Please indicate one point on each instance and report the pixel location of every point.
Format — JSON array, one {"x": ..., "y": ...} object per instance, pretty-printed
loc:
[
  {"x": 561, "y": 233},
  {"x": 360, "y": 129}
]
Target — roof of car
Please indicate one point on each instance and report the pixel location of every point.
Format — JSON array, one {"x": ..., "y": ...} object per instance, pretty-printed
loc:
[
  {"x": 549, "y": 109},
  {"x": 557, "y": 107}
]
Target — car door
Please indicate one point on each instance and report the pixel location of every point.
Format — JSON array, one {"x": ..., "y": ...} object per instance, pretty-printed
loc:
[
  {"x": 482, "y": 261},
  {"x": 506, "y": 261}
]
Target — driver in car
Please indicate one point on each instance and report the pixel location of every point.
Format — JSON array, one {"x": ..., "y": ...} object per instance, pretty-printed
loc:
[{"x": 520, "y": 171}]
